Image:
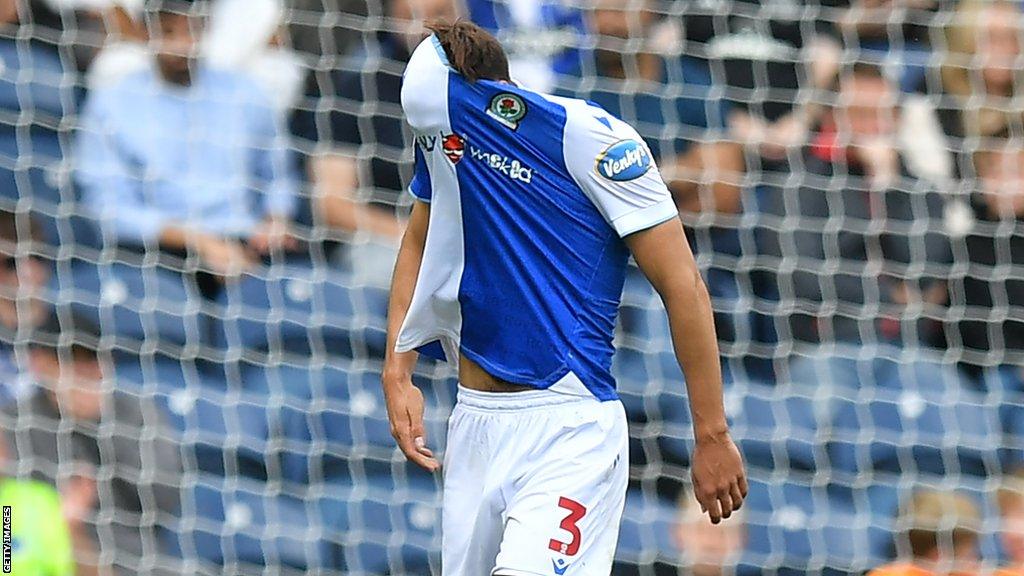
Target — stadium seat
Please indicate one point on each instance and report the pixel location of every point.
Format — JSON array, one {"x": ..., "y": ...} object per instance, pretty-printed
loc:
[
  {"x": 641, "y": 376},
  {"x": 156, "y": 373},
  {"x": 646, "y": 532},
  {"x": 340, "y": 423},
  {"x": 230, "y": 523},
  {"x": 399, "y": 520},
  {"x": 226, "y": 430},
  {"x": 1004, "y": 389},
  {"x": 875, "y": 502},
  {"x": 298, "y": 394},
  {"x": 33, "y": 173},
  {"x": 804, "y": 527},
  {"x": 149, "y": 307},
  {"x": 652, "y": 391},
  {"x": 775, "y": 426},
  {"x": 938, "y": 431},
  {"x": 301, "y": 310}
]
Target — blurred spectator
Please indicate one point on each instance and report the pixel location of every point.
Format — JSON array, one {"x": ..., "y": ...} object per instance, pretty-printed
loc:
[
  {"x": 542, "y": 37},
  {"x": 975, "y": 95},
  {"x": 937, "y": 533},
  {"x": 250, "y": 36},
  {"x": 36, "y": 95},
  {"x": 871, "y": 278},
  {"x": 894, "y": 34},
  {"x": 23, "y": 276},
  {"x": 186, "y": 159},
  {"x": 360, "y": 150},
  {"x": 326, "y": 29},
  {"x": 666, "y": 97},
  {"x": 771, "y": 57},
  {"x": 708, "y": 549},
  {"x": 1010, "y": 499},
  {"x": 32, "y": 79},
  {"x": 41, "y": 538},
  {"x": 992, "y": 328},
  {"x": 107, "y": 451},
  {"x": 124, "y": 49}
]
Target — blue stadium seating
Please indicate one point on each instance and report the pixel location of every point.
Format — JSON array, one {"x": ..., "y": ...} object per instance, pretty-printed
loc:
[
  {"x": 803, "y": 527},
  {"x": 226, "y": 429},
  {"x": 938, "y": 431},
  {"x": 398, "y": 519},
  {"x": 1004, "y": 387},
  {"x": 651, "y": 387},
  {"x": 641, "y": 316},
  {"x": 232, "y": 522},
  {"x": 759, "y": 413},
  {"x": 336, "y": 420},
  {"x": 140, "y": 306},
  {"x": 645, "y": 535},
  {"x": 641, "y": 376},
  {"x": 33, "y": 173},
  {"x": 875, "y": 504},
  {"x": 297, "y": 309}
]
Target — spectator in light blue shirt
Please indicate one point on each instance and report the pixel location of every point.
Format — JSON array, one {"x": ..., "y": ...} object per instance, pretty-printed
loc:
[{"x": 187, "y": 159}]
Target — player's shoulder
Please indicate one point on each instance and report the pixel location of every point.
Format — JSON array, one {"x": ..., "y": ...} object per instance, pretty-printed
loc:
[
  {"x": 594, "y": 137},
  {"x": 428, "y": 57},
  {"x": 585, "y": 118},
  {"x": 425, "y": 85}
]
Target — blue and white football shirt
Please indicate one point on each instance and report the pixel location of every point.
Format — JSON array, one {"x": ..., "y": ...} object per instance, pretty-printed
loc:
[{"x": 530, "y": 198}]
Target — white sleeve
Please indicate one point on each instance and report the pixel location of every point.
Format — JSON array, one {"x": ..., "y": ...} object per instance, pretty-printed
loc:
[
  {"x": 616, "y": 170},
  {"x": 425, "y": 87}
]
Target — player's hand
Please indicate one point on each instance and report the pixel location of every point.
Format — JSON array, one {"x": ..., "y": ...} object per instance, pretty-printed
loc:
[
  {"x": 719, "y": 481},
  {"x": 405, "y": 412}
]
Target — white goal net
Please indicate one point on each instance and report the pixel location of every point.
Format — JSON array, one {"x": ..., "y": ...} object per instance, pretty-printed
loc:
[{"x": 206, "y": 197}]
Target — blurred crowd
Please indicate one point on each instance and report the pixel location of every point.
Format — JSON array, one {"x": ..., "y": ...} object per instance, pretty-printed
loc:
[{"x": 215, "y": 188}]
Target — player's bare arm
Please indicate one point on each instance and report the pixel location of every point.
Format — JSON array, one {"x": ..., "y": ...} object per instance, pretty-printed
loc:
[
  {"x": 404, "y": 399},
  {"x": 664, "y": 256}
]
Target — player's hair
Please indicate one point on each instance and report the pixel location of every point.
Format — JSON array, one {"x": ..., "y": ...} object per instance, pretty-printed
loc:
[{"x": 472, "y": 51}]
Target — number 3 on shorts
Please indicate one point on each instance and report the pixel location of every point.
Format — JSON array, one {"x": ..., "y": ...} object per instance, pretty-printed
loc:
[{"x": 576, "y": 512}]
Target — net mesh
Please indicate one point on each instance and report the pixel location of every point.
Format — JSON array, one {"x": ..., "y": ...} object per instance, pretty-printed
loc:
[{"x": 825, "y": 157}]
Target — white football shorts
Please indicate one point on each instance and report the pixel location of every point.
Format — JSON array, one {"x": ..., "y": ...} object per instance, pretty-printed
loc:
[{"x": 534, "y": 484}]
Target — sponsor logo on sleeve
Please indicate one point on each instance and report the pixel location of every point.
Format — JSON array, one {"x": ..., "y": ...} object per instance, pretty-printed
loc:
[
  {"x": 454, "y": 147},
  {"x": 624, "y": 161},
  {"x": 508, "y": 109},
  {"x": 559, "y": 566}
]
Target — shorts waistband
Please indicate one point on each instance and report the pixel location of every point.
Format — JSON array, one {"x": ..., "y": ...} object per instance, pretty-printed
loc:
[{"x": 509, "y": 401}]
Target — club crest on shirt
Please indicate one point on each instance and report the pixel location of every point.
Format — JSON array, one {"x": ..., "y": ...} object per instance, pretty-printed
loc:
[
  {"x": 508, "y": 109},
  {"x": 624, "y": 160},
  {"x": 454, "y": 147}
]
